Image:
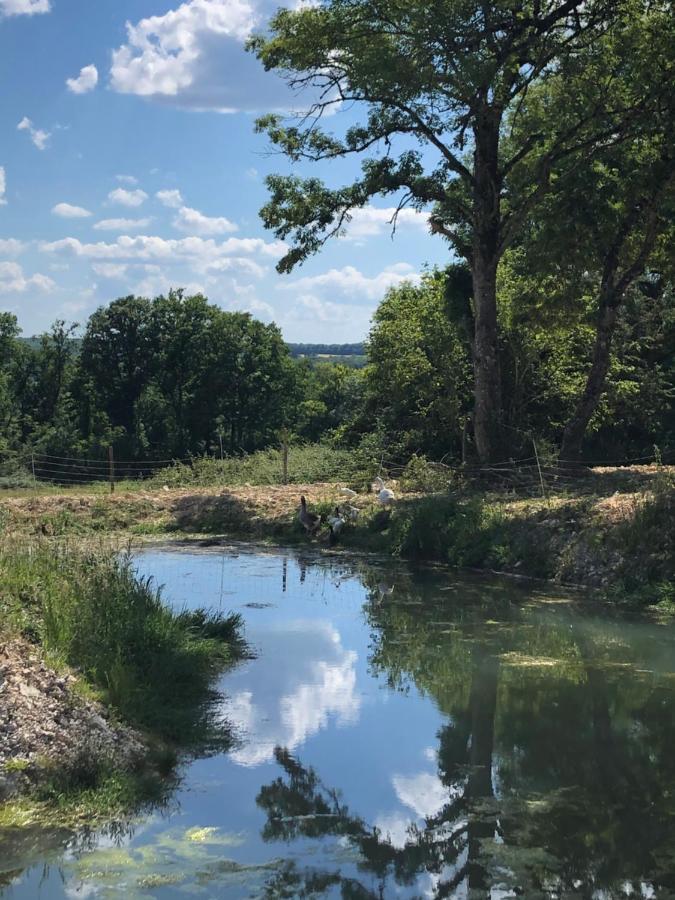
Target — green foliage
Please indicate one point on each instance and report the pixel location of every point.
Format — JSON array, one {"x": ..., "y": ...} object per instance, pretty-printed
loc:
[
  {"x": 307, "y": 463},
  {"x": 91, "y": 611},
  {"x": 418, "y": 381}
]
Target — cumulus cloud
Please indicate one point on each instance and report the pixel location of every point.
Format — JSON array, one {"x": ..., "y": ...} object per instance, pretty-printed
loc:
[
  {"x": 194, "y": 222},
  {"x": 11, "y": 247},
  {"x": 352, "y": 282},
  {"x": 193, "y": 56},
  {"x": 86, "y": 81},
  {"x": 372, "y": 220},
  {"x": 172, "y": 199},
  {"x": 39, "y": 137},
  {"x": 24, "y": 7},
  {"x": 68, "y": 211},
  {"x": 150, "y": 248},
  {"x": 13, "y": 280},
  {"x": 110, "y": 270},
  {"x": 121, "y": 224},
  {"x": 127, "y": 198},
  {"x": 285, "y": 701},
  {"x": 127, "y": 179},
  {"x": 3, "y": 186}
]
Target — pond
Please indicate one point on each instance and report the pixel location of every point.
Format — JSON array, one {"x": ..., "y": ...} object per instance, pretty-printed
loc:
[{"x": 400, "y": 733}]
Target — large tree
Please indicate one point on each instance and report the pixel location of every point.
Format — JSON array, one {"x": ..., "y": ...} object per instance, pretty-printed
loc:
[
  {"x": 607, "y": 218},
  {"x": 440, "y": 84}
]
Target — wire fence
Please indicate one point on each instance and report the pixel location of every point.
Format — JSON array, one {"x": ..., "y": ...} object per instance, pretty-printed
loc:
[{"x": 532, "y": 475}]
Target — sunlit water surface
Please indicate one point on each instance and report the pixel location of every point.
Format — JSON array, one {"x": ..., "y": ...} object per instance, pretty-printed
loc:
[{"x": 400, "y": 734}]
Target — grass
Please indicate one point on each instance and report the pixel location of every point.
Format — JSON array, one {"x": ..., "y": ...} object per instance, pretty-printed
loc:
[{"x": 90, "y": 610}]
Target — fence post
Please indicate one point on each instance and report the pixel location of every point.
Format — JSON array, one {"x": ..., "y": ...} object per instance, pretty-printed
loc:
[
  {"x": 541, "y": 477},
  {"x": 284, "y": 454},
  {"x": 32, "y": 465},
  {"x": 111, "y": 469}
]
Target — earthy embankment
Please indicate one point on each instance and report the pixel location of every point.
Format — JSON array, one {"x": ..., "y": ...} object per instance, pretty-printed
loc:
[
  {"x": 46, "y": 722},
  {"x": 613, "y": 529}
]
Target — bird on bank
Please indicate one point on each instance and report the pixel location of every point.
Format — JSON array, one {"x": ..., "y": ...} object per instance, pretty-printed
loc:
[
  {"x": 348, "y": 492},
  {"x": 310, "y": 521},
  {"x": 350, "y": 512},
  {"x": 384, "y": 495},
  {"x": 336, "y": 523}
]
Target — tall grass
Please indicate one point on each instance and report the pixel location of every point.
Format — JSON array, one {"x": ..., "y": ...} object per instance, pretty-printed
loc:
[{"x": 92, "y": 611}]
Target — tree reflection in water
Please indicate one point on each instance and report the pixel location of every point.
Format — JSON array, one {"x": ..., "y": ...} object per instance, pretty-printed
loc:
[{"x": 556, "y": 758}]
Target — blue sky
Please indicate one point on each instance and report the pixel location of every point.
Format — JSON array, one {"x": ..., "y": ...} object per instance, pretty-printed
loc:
[{"x": 129, "y": 164}]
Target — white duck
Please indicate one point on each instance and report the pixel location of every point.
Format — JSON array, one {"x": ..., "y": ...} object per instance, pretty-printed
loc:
[
  {"x": 384, "y": 495},
  {"x": 348, "y": 492},
  {"x": 336, "y": 523}
]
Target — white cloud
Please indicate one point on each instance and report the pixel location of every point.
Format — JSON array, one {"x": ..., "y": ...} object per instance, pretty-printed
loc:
[
  {"x": 423, "y": 793},
  {"x": 11, "y": 247},
  {"x": 285, "y": 701},
  {"x": 232, "y": 263},
  {"x": 127, "y": 198},
  {"x": 194, "y": 222},
  {"x": 68, "y": 211},
  {"x": 39, "y": 137},
  {"x": 193, "y": 56},
  {"x": 3, "y": 186},
  {"x": 152, "y": 248},
  {"x": 23, "y": 7},
  {"x": 371, "y": 220},
  {"x": 13, "y": 280},
  {"x": 154, "y": 285},
  {"x": 352, "y": 282},
  {"x": 86, "y": 81},
  {"x": 126, "y": 179},
  {"x": 172, "y": 199},
  {"x": 110, "y": 270},
  {"x": 121, "y": 224}
]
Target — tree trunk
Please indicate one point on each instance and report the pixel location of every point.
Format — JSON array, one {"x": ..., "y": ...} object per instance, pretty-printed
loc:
[
  {"x": 595, "y": 382},
  {"x": 486, "y": 254},
  {"x": 483, "y": 705},
  {"x": 487, "y": 377}
]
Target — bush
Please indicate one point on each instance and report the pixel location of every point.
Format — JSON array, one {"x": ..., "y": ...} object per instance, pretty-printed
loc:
[
  {"x": 307, "y": 464},
  {"x": 444, "y": 529}
]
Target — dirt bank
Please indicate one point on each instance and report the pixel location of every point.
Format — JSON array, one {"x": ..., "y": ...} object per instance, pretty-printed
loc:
[
  {"x": 46, "y": 723},
  {"x": 610, "y": 529}
]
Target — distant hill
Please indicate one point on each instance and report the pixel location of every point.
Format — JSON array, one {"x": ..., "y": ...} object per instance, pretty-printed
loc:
[
  {"x": 349, "y": 354},
  {"x": 353, "y": 355},
  {"x": 328, "y": 349}
]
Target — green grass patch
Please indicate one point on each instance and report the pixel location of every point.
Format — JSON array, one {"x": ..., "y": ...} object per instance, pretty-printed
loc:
[{"x": 91, "y": 611}]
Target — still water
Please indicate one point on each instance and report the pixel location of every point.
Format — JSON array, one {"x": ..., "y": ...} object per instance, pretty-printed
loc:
[{"x": 400, "y": 733}]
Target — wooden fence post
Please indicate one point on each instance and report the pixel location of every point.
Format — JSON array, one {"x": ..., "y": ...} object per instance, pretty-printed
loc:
[
  {"x": 284, "y": 455},
  {"x": 111, "y": 469}
]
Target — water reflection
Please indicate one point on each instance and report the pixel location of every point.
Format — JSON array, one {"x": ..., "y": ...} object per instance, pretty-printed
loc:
[
  {"x": 403, "y": 734},
  {"x": 555, "y": 771},
  {"x": 291, "y": 694}
]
